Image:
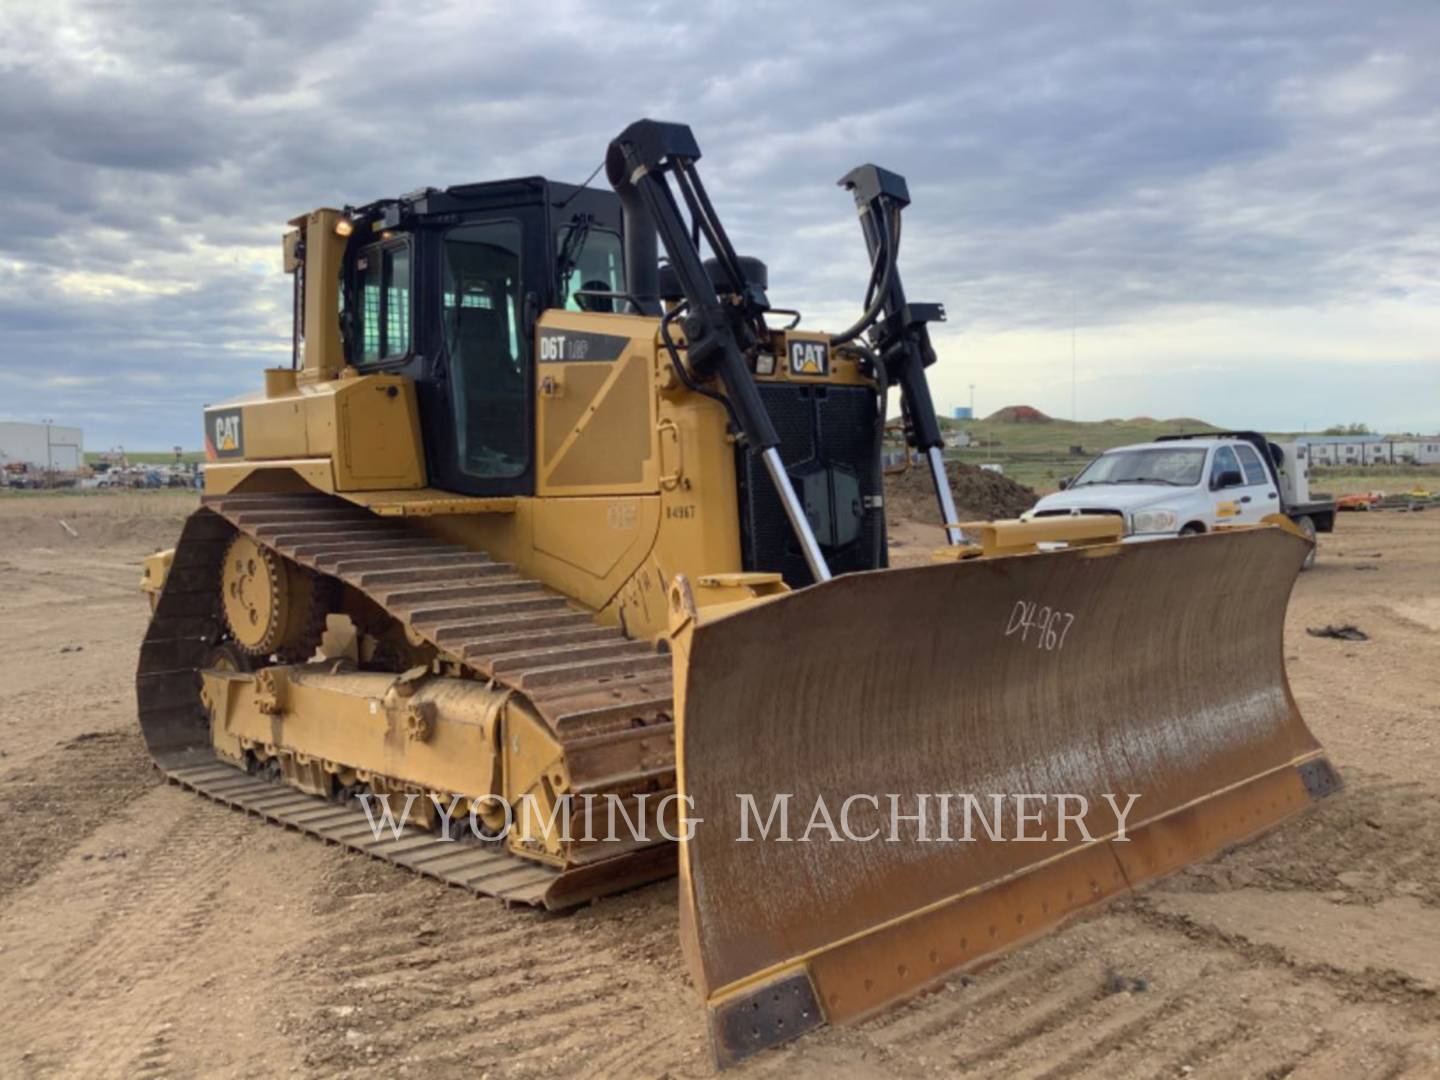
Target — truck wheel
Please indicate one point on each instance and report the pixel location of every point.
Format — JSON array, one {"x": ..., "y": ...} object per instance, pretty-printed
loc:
[
  {"x": 1193, "y": 529},
  {"x": 1307, "y": 526}
]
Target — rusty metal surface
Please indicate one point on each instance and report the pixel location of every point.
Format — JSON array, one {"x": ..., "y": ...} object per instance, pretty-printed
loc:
[
  {"x": 1164, "y": 676},
  {"x": 859, "y": 976},
  {"x": 607, "y": 699}
]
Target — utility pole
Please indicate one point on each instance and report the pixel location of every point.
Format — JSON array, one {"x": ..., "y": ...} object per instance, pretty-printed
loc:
[
  {"x": 972, "y": 401},
  {"x": 1074, "y": 411}
]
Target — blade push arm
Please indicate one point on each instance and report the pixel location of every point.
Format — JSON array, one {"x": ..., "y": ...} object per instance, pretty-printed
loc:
[
  {"x": 897, "y": 327},
  {"x": 640, "y": 162}
]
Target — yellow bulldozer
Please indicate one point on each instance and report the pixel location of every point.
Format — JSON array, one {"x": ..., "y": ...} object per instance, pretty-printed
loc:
[{"x": 539, "y": 532}]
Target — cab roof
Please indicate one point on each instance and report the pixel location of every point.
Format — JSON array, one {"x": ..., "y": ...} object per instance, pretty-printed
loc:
[{"x": 427, "y": 201}]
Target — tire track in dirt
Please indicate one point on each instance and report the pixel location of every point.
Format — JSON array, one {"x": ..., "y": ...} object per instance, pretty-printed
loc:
[
  {"x": 1380, "y": 835},
  {"x": 146, "y": 918},
  {"x": 52, "y": 804},
  {"x": 1104, "y": 1035},
  {"x": 1062, "y": 1014},
  {"x": 517, "y": 989},
  {"x": 911, "y": 1021},
  {"x": 154, "y": 1060},
  {"x": 1377, "y": 840},
  {"x": 1385, "y": 986},
  {"x": 156, "y": 935}
]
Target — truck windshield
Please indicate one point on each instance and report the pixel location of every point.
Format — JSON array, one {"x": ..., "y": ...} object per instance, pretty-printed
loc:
[{"x": 1179, "y": 467}]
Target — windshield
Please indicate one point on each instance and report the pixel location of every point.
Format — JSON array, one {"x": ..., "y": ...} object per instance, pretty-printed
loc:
[
  {"x": 589, "y": 260},
  {"x": 1178, "y": 466}
]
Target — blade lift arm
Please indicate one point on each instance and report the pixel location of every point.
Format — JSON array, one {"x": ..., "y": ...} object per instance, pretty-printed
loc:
[
  {"x": 720, "y": 331},
  {"x": 897, "y": 328}
]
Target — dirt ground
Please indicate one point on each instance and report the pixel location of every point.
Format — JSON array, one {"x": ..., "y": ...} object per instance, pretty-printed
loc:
[{"x": 147, "y": 932}]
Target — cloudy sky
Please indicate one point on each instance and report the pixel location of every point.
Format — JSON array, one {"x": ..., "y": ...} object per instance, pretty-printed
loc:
[{"x": 1236, "y": 206}]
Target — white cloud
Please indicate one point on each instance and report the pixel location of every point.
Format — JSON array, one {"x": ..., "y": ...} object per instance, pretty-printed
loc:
[{"x": 1233, "y": 194}]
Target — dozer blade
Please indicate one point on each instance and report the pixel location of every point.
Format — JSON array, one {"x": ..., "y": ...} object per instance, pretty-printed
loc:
[{"x": 1154, "y": 670}]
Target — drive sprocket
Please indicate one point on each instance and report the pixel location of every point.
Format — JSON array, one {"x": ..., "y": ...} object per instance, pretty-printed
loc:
[{"x": 271, "y": 605}]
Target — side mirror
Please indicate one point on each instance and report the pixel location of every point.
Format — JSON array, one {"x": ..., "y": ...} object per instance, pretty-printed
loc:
[
  {"x": 1230, "y": 478},
  {"x": 1066, "y": 481}
]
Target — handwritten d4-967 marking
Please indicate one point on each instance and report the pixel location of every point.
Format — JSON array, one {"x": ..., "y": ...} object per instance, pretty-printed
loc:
[{"x": 1050, "y": 625}]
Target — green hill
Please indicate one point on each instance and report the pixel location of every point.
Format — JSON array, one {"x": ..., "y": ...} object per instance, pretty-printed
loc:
[{"x": 1038, "y": 453}]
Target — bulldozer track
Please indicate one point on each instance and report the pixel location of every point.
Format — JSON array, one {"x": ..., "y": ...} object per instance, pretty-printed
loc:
[{"x": 607, "y": 699}]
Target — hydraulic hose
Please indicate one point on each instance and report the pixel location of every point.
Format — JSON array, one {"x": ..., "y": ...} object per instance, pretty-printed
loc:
[
  {"x": 684, "y": 376},
  {"x": 887, "y": 253}
]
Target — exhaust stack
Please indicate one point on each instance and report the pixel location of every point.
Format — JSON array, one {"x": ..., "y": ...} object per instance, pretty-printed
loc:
[{"x": 642, "y": 251}]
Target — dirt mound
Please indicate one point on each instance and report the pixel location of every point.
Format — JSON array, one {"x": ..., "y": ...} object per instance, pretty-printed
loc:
[
  {"x": 1019, "y": 414},
  {"x": 979, "y": 494},
  {"x": 136, "y": 531},
  {"x": 140, "y": 522}
]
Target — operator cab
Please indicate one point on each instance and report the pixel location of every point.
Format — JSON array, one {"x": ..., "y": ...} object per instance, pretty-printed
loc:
[{"x": 445, "y": 287}]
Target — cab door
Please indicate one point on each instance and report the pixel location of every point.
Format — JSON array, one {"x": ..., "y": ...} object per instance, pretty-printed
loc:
[
  {"x": 1260, "y": 495},
  {"x": 481, "y": 424},
  {"x": 1227, "y": 486}
]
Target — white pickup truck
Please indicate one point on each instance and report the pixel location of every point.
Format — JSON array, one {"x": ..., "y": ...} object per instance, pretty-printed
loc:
[{"x": 1186, "y": 484}]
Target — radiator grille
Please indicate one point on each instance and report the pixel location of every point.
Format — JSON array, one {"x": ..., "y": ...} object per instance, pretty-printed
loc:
[{"x": 827, "y": 441}]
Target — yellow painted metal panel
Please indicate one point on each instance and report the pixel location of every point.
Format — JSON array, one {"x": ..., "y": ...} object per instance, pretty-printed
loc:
[
  {"x": 221, "y": 478},
  {"x": 587, "y": 548},
  {"x": 596, "y": 416},
  {"x": 378, "y": 428}
]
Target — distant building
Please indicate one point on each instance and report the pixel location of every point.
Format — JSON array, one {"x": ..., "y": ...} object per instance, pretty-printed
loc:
[
  {"x": 1362, "y": 450},
  {"x": 41, "y": 446},
  {"x": 1342, "y": 449},
  {"x": 964, "y": 412},
  {"x": 957, "y": 438},
  {"x": 1415, "y": 450}
]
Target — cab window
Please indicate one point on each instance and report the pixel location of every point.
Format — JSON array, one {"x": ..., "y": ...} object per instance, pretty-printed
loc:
[
  {"x": 589, "y": 260},
  {"x": 1225, "y": 462},
  {"x": 1250, "y": 462},
  {"x": 384, "y": 273},
  {"x": 489, "y": 365}
]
